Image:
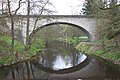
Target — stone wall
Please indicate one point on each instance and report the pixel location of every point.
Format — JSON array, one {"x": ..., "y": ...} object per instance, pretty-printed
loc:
[{"x": 3, "y": 26}]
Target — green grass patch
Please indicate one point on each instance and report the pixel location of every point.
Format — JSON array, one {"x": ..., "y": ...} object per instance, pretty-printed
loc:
[
  {"x": 6, "y": 45},
  {"x": 19, "y": 48},
  {"x": 6, "y": 60},
  {"x": 113, "y": 56},
  {"x": 73, "y": 40},
  {"x": 99, "y": 52},
  {"x": 38, "y": 43}
]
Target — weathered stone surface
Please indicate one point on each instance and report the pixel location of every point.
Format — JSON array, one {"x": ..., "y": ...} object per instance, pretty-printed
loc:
[
  {"x": 3, "y": 25},
  {"x": 87, "y": 24}
]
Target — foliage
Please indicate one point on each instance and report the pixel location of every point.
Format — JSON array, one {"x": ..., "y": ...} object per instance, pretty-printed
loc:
[
  {"x": 7, "y": 60},
  {"x": 6, "y": 44},
  {"x": 112, "y": 56},
  {"x": 37, "y": 44},
  {"x": 9, "y": 44},
  {"x": 89, "y": 8},
  {"x": 84, "y": 47},
  {"x": 108, "y": 29},
  {"x": 75, "y": 40},
  {"x": 5, "y": 47},
  {"x": 99, "y": 52}
]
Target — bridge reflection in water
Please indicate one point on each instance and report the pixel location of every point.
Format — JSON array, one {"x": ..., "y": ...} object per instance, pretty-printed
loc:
[
  {"x": 60, "y": 61},
  {"x": 60, "y": 57}
]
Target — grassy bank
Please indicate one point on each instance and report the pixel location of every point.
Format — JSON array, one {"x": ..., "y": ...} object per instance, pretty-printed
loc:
[
  {"x": 112, "y": 56},
  {"x": 6, "y": 58},
  {"x": 95, "y": 50}
]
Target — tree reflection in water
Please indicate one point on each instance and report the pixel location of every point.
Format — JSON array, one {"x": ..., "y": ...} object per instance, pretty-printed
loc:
[
  {"x": 56, "y": 63},
  {"x": 60, "y": 55}
]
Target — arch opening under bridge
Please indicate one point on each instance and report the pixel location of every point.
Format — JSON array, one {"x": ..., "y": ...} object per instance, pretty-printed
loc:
[{"x": 64, "y": 23}]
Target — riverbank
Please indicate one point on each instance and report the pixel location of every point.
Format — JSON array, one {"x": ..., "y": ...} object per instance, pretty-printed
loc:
[
  {"x": 20, "y": 53},
  {"x": 95, "y": 50}
]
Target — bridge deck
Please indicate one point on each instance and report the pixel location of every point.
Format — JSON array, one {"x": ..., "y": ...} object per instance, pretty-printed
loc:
[{"x": 46, "y": 16}]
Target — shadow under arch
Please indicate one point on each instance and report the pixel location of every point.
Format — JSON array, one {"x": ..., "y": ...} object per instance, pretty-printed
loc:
[{"x": 66, "y": 23}]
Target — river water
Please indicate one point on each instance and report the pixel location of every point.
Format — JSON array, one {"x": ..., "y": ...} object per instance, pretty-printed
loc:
[{"x": 60, "y": 61}]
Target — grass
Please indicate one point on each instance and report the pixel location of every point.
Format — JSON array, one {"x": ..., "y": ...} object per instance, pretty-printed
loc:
[
  {"x": 36, "y": 46},
  {"x": 74, "y": 41},
  {"x": 111, "y": 55},
  {"x": 5, "y": 45},
  {"x": 99, "y": 52},
  {"x": 6, "y": 58}
]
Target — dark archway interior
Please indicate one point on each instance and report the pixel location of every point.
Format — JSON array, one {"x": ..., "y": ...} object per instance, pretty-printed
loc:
[{"x": 64, "y": 23}]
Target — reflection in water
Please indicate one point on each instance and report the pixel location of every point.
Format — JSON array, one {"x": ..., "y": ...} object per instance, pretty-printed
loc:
[
  {"x": 57, "y": 56},
  {"x": 61, "y": 63},
  {"x": 61, "y": 58}
]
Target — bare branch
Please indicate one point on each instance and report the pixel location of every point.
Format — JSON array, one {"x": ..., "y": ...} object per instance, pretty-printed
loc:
[
  {"x": 41, "y": 11},
  {"x": 44, "y": 7},
  {"x": 9, "y": 7},
  {"x": 19, "y": 3}
]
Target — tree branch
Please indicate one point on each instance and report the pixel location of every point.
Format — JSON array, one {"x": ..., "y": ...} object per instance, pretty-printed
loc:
[
  {"x": 41, "y": 11},
  {"x": 19, "y": 3}
]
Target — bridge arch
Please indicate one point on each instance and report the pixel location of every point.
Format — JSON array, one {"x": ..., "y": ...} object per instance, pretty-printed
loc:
[{"x": 64, "y": 23}]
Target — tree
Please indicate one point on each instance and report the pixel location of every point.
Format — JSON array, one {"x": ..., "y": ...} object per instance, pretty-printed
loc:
[
  {"x": 38, "y": 8},
  {"x": 105, "y": 9},
  {"x": 110, "y": 7},
  {"x": 41, "y": 11},
  {"x": 28, "y": 20},
  {"x": 89, "y": 8},
  {"x": 114, "y": 23},
  {"x": 110, "y": 28},
  {"x": 12, "y": 22},
  {"x": 93, "y": 8}
]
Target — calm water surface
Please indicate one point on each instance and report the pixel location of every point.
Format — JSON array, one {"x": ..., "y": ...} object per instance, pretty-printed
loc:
[{"x": 60, "y": 61}]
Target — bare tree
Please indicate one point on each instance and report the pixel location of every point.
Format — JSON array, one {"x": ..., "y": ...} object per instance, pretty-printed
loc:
[
  {"x": 32, "y": 6},
  {"x": 28, "y": 20},
  {"x": 40, "y": 12},
  {"x": 12, "y": 22}
]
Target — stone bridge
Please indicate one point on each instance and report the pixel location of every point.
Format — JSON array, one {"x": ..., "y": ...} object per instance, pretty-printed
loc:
[{"x": 87, "y": 24}]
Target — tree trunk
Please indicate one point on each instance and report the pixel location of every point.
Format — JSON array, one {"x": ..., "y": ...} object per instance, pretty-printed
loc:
[
  {"x": 12, "y": 28},
  {"x": 2, "y": 8},
  {"x": 28, "y": 20}
]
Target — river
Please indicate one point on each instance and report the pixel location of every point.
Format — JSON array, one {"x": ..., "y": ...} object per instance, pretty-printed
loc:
[{"x": 60, "y": 61}]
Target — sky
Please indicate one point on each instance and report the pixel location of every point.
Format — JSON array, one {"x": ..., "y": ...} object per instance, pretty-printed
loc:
[
  {"x": 63, "y": 7},
  {"x": 68, "y": 7}
]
